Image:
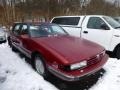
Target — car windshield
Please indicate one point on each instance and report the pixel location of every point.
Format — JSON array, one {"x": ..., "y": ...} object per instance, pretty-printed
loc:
[
  {"x": 117, "y": 19},
  {"x": 46, "y": 30},
  {"x": 112, "y": 22}
]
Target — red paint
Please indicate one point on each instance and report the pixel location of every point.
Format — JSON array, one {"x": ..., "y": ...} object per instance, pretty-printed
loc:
[{"x": 63, "y": 50}]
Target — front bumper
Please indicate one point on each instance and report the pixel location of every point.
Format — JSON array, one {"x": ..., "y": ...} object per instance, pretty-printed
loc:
[{"x": 78, "y": 74}]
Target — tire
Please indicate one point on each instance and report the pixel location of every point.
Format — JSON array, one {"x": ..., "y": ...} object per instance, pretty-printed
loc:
[
  {"x": 40, "y": 66},
  {"x": 118, "y": 53},
  {"x": 9, "y": 42}
]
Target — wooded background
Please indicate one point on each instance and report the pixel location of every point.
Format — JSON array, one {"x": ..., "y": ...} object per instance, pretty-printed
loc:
[{"x": 22, "y": 10}]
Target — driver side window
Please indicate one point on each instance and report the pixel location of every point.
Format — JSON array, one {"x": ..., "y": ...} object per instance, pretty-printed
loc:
[{"x": 96, "y": 23}]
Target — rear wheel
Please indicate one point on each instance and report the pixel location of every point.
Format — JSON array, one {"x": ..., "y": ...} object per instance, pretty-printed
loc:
[
  {"x": 9, "y": 42},
  {"x": 40, "y": 66}
]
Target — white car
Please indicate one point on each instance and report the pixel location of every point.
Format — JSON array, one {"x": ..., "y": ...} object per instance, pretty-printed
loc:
[{"x": 2, "y": 35}]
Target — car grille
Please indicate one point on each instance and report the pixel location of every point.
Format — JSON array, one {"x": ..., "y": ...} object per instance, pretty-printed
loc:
[{"x": 95, "y": 59}]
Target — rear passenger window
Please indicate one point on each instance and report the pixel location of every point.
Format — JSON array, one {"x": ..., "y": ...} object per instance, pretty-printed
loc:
[
  {"x": 24, "y": 29},
  {"x": 66, "y": 20},
  {"x": 95, "y": 23}
]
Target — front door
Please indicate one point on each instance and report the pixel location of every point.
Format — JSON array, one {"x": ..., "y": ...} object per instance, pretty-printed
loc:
[{"x": 97, "y": 30}]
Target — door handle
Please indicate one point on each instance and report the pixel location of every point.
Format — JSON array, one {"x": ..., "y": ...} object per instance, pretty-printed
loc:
[
  {"x": 117, "y": 35},
  {"x": 85, "y": 32}
]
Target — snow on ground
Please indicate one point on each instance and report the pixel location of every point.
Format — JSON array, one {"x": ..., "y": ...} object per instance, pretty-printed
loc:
[
  {"x": 16, "y": 74},
  {"x": 111, "y": 79}
]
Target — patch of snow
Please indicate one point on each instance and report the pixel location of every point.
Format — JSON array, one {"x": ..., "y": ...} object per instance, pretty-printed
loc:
[
  {"x": 16, "y": 74},
  {"x": 111, "y": 79}
]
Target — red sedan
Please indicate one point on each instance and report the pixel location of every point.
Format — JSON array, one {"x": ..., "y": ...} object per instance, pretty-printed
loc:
[{"x": 52, "y": 50}]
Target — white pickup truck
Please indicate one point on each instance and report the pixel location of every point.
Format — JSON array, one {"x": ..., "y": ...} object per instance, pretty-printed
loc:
[{"x": 103, "y": 30}]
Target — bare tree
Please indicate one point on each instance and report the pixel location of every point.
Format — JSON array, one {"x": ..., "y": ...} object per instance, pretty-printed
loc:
[{"x": 19, "y": 10}]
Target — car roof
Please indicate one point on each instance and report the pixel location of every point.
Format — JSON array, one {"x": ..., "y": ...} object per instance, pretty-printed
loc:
[
  {"x": 26, "y": 22},
  {"x": 35, "y": 23}
]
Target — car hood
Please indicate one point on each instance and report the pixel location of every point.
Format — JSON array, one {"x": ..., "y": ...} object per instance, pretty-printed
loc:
[{"x": 73, "y": 49}]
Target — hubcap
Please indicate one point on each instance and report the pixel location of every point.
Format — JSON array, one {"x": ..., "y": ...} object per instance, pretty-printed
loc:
[{"x": 39, "y": 66}]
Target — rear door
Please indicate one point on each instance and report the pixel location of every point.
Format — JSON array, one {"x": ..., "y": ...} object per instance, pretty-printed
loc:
[
  {"x": 97, "y": 30},
  {"x": 25, "y": 40},
  {"x": 16, "y": 35}
]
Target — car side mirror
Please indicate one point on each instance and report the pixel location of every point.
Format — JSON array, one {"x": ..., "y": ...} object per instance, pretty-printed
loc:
[{"x": 105, "y": 27}]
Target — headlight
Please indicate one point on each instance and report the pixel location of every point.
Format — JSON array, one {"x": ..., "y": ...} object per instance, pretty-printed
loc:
[
  {"x": 103, "y": 52},
  {"x": 78, "y": 65}
]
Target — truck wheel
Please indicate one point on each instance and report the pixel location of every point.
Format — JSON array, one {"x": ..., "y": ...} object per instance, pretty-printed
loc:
[
  {"x": 40, "y": 66},
  {"x": 118, "y": 53}
]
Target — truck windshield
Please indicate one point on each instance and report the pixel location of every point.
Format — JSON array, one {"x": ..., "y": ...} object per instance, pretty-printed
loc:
[
  {"x": 112, "y": 22},
  {"x": 46, "y": 30},
  {"x": 117, "y": 19}
]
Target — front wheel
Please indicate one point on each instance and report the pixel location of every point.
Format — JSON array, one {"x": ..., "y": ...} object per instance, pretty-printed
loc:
[{"x": 40, "y": 66}]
